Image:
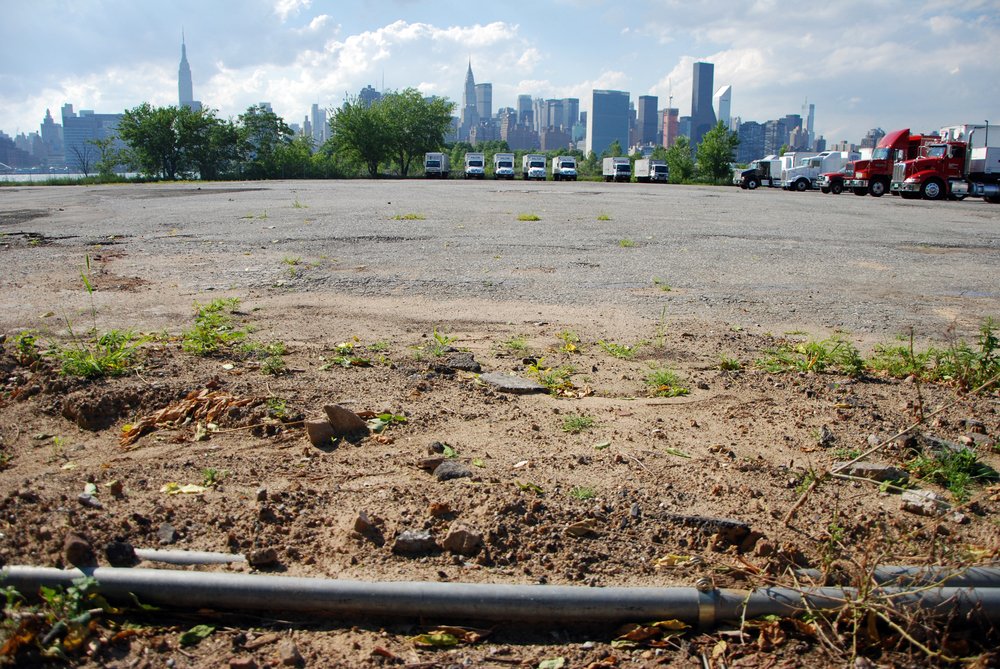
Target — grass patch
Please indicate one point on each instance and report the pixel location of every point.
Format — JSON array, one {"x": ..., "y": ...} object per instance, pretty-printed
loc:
[
  {"x": 626, "y": 243},
  {"x": 517, "y": 344},
  {"x": 620, "y": 351},
  {"x": 833, "y": 354},
  {"x": 661, "y": 284},
  {"x": 213, "y": 329},
  {"x": 956, "y": 471},
  {"x": 664, "y": 382},
  {"x": 111, "y": 354},
  {"x": 583, "y": 493},
  {"x": 555, "y": 380},
  {"x": 409, "y": 217},
  {"x": 528, "y": 217},
  {"x": 575, "y": 424},
  {"x": 603, "y": 217},
  {"x": 570, "y": 341},
  {"x": 728, "y": 364}
]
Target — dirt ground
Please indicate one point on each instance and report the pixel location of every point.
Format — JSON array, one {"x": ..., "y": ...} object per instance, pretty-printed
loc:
[{"x": 599, "y": 483}]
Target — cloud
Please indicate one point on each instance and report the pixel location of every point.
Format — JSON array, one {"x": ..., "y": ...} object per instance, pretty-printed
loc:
[{"x": 286, "y": 8}]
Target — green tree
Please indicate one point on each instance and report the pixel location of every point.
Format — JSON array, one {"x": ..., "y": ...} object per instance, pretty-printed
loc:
[
  {"x": 715, "y": 153},
  {"x": 263, "y": 136},
  {"x": 360, "y": 134},
  {"x": 679, "y": 160},
  {"x": 209, "y": 144},
  {"x": 108, "y": 155},
  {"x": 153, "y": 136},
  {"x": 614, "y": 150},
  {"x": 415, "y": 125}
]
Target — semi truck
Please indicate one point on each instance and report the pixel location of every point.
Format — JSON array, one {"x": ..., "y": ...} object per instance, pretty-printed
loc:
[
  {"x": 503, "y": 166},
  {"x": 533, "y": 166},
  {"x": 475, "y": 166},
  {"x": 436, "y": 165},
  {"x": 649, "y": 169},
  {"x": 564, "y": 168},
  {"x": 833, "y": 182},
  {"x": 965, "y": 160},
  {"x": 803, "y": 175},
  {"x": 763, "y": 172},
  {"x": 616, "y": 169},
  {"x": 872, "y": 176}
]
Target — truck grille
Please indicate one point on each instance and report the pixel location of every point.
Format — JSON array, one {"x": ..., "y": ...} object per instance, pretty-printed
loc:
[{"x": 898, "y": 171}]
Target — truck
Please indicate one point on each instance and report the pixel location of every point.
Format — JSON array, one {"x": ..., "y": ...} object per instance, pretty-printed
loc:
[
  {"x": 616, "y": 169},
  {"x": 803, "y": 174},
  {"x": 833, "y": 182},
  {"x": 872, "y": 176},
  {"x": 436, "y": 165},
  {"x": 564, "y": 168},
  {"x": 650, "y": 169},
  {"x": 503, "y": 166},
  {"x": 475, "y": 166},
  {"x": 764, "y": 171},
  {"x": 533, "y": 166},
  {"x": 964, "y": 161}
]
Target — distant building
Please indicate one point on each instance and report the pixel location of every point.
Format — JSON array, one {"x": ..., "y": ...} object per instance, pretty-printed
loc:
[
  {"x": 775, "y": 136},
  {"x": 646, "y": 120},
  {"x": 79, "y": 130},
  {"x": 486, "y": 131},
  {"x": 319, "y": 128},
  {"x": 671, "y": 126},
  {"x": 185, "y": 88},
  {"x": 524, "y": 110},
  {"x": 608, "y": 120},
  {"x": 571, "y": 112},
  {"x": 684, "y": 126},
  {"x": 751, "y": 136},
  {"x": 470, "y": 112},
  {"x": 552, "y": 139},
  {"x": 872, "y": 138},
  {"x": 52, "y": 140},
  {"x": 484, "y": 101},
  {"x": 368, "y": 96},
  {"x": 723, "y": 103},
  {"x": 809, "y": 113},
  {"x": 702, "y": 115}
]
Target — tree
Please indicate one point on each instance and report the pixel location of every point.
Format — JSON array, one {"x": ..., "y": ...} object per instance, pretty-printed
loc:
[
  {"x": 679, "y": 160},
  {"x": 209, "y": 144},
  {"x": 360, "y": 133},
  {"x": 108, "y": 155},
  {"x": 614, "y": 150},
  {"x": 262, "y": 136},
  {"x": 81, "y": 157},
  {"x": 415, "y": 125},
  {"x": 715, "y": 153},
  {"x": 152, "y": 135}
]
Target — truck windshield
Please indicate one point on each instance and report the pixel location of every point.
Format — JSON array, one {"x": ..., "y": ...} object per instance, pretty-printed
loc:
[
  {"x": 659, "y": 169},
  {"x": 433, "y": 163},
  {"x": 505, "y": 163},
  {"x": 936, "y": 151},
  {"x": 536, "y": 163},
  {"x": 475, "y": 163},
  {"x": 881, "y": 154}
]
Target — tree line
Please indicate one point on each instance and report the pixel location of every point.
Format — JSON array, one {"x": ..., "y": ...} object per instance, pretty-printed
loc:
[{"x": 387, "y": 136}]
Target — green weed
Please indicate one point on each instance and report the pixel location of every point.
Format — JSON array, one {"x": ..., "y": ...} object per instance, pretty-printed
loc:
[
  {"x": 211, "y": 476},
  {"x": 528, "y": 217},
  {"x": 583, "y": 493},
  {"x": 517, "y": 343},
  {"x": 571, "y": 341},
  {"x": 409, "y": 217},
  {"x": 26, "y": 347},
  {"x": 956, "y": 471},
  {"x": 112, "y": 354},
  {"x": 664, "y": 382},
  {"x": 213, "y": 328},
  {"x": 621, "y": 351},
  {"x": 575, "y": 424},
  {"x": 730, "y": 364},
  {"x": 277, "y": 407},
  {"x": 298, "y": 205},
  {"x": 833, "y": 354},
  {"x": 626, "y": 243},
  {"x": 603, "y": 217},
  {"x": 662, "y": 285}
]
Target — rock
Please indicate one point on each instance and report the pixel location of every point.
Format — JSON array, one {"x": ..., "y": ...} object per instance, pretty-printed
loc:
[
  {"x": 431, "y": 463},
  {"x": 439, "y": 509},
  {"x": 345, "y": 423},
  {"x": 120, "y": 554},
  {"x": 261, "y": 494},
  {"x": 507, "y": 383},
  {"x": 414, "y": 542},
  {"x": 289, "y": 655},
  {"x": 826, "y": 437},
  {"x": 89, "y": 501},
  {"x": 584, "y": 528},
  {"x": 873, "y": 471},
  {"x": 363, "y": 524},
  {"x": 977, "y": 439},
  {"x": 321, "y": 434},
  {"x": 973, "y": 425},
  {"x": 452, "y": 469},
  {"x": 463, "y": 540},
  {"x": 242, "y": 663},
  {"x": 435, "y": 447},
  {"x": 166, "y": 533},
  {"x": 78, "y": 552},
  {"x": 263, "y": 558},
  {"x": 922, "y": 502},
  {"x": 462, "y": 361}
]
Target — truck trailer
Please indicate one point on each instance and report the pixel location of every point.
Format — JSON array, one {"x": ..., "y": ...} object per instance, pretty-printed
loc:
[
  {"x": 649, "y": 169},
  {"x": 872, "y": 176},
  {"x": 533, "y": 166},
  {"x": 564, "y": 168},
  {"x": 475, "y": 166},
  {"x": 964, "y": 161},
  {"x": 503, "y": 166},
  {"x": 436, "y": 165},
  {"x": 616, "y": 169},
  {"x": 803, "y": 175}
]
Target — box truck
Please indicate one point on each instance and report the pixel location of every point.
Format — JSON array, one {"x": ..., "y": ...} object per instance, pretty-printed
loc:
[
  {"x": 436, "y": 165},
  {"x": 475, "y": 166},
  {"x": 503, "y": 166},
  {"x": 616, "y": 169},
  {"x": 533, "y": 166},
  {"x": 648, "y": 169},
  {"x": 564, "y": 168}
]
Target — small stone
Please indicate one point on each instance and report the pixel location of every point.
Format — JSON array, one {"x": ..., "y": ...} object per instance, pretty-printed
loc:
[
  {"x": 973, "y": 425},
  {"x": 321, "y": 434},
  {"x": 826, "y": 437},
  {"x": 261, "y": 494},
  {"x": 463, "y": 361},
  {"x": 435, "y": 447},
  {"x": 363, "y": 524},
  {"x": 263, "y": 558},
  {"x": 922, "y": 502},
  {"x": 117, "y": 489},
  {"x": 414, "y": 542},
  {"x": 120, "y": 554},
  {"x": 506, "y": 383},
  {"x": 431, "y": 463},
  {"x": 89, "y": 501},
  {"x": 242, "y": 663},
  {"x": 166, "y": 534},
  {"x": 452, "y": 469},
  {"x": 288, "y": 654},
  {"x": 872, "y": 471},
  {"x": 345, "y": 423},
  {"x": 78, "y": 551},
  {"x": 463, "y": 540},
  {"x": 439, "y": 509}
]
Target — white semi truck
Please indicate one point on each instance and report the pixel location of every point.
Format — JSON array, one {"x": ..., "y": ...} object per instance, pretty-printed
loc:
[
  {"x": 436, "y": 165},
  {"x": 503, "y": 166},
  {"x": 533, "y": 166},
  {"x": 803, "y": 175},
  {"x": 616, "y": 169},
  {"x": 648, "y": 169},
  {"x": 564, "y": 168},
  {"x": 475, "y": 166}
]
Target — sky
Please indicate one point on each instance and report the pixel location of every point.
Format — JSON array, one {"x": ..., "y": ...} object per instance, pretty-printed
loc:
[{"x": 863, "y": 63}]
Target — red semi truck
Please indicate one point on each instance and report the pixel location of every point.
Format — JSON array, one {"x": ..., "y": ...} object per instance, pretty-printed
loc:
[
  {"x": 964, "y": 160},
  {"x": 872, "y": 177}
]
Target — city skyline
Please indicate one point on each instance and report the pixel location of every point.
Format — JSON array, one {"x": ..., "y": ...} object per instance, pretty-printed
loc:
[{"x": 296, "y": 53}]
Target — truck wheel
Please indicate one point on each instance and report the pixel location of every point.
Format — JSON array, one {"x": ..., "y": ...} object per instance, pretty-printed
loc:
[
  {"x": 824, "y": 189},
  {"x": 837, "y": 187},
  {"x": 801, "y": 185},
  {"x": 752, "y": 184},
  {"x": 876, "y": 188},
  {"x": 860, "y": 191},
  {"x": 932, "y": 190}
]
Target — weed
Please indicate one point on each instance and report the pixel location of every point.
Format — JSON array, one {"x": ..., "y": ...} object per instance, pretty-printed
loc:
[
  {"x": 832, "y": 542},
  {"x": 956, "y": 471},
  {"x": 277, "y": 407},
  {"x": 379, "y": 346},
  {"x": 583, "y": 493},
  {"x": 211, "y": 476},
  {"x": 661, "y": 284},
  {"x": 660, "y": 339},
  {"x": 26, "y": 346},
  {"x": 111, "y": 354},
  {"x": 517, "y": 343},
  {"x": 808, "y": 478},
  {"x": 273, "y": 366},
  {"x": 603, "y": 217},
  {"x": 626, "y": 243},
  {"x": 298, "y": 205},
  {"x": 555, "y": 380},
  {"x": 213, "y": 328},
  {"x": 842, "y": 453},
  {"x": 293, "y": 263},
  {"x": 571, "y": 341},
  {"x": 409, "y": 217},
  {"x": 575, "y": 424},
  {"x": 262, "y": 216},
  {"x": 442, "y": 343},
  {"x": 727, "y": 364},
  {"x": 815, "y": 356},
  {"x": 621, "y": 351},
  {"x": 528, "y": 217},
  {"x": 664, "y": 382}
]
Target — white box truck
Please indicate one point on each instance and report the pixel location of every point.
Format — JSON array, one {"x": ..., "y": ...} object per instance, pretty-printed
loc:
[
  {"x": 616, "y": 169},
  {"x": 503, "y": 166},
  {"x": 803, "y": 176},
  {"x": 533, "y": 166},
  {"x": 564, "y": 168},
  {"x": 436, "y": 166},
  {"x": 649, "y": 169},
  {"x": 475, "y": 166}
]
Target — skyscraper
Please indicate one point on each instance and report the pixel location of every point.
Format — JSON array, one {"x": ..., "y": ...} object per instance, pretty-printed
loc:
[
  {"x": 607, "y": 121},
  {"x": 484, "y": 101},
  {"x": 185, "y": 89},
  {"x": 318, "y": 126},
  {"x": 646, "y": 119},
  {"x": 702, "y": 116},
  {"x": 809, "y": 112},
  {"x": 723, "y": 101},
  {"x": 524, "y": 111},
  {"x": 671, "y": 126},
  {"x": 470, "y": 114}
]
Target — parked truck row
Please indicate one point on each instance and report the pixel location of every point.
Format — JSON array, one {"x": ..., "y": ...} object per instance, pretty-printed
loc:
[{"x": 533, "y": 167}]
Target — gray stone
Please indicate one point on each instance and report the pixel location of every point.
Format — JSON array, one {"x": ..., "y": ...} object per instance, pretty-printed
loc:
[
  {"x": 120, "y": 554},
  {"x": 414, "y": 542},
  {"x": 507, "y": 383},
  {"x": 463, "y": 540},
  {"x": 826, "y": 437},
  {"x": 452, "y": 469},
  {"x": 345, "y": 423},
  {"x": 462, "y": 361},
  {"x": 320, "y": 433},
  {"x": 923, "y": 503},
  {"x": 288, "y": 654},
  {"x": 88, "y": 500},
  {"x": 166, "y": 533},
  {"x": 265, "y": 557},
  {"x": 873, "y": 471}
]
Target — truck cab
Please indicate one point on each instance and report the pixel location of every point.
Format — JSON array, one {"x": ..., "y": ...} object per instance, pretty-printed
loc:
[
  {"x": 872, "y": 176},
  {"x": 503, "y": 166},
  {"x": 564, "y": 168},
  {"x": 436, "y": 165},
  {"x": 533, "y": 166},
  {"x": 475, "y": 166}
]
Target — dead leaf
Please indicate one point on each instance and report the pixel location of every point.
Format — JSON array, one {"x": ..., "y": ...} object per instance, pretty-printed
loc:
[
  {"x": 199, "y": 405},
  {"x": 174, "y": 488},
  {"x": 583, "y": 528}
]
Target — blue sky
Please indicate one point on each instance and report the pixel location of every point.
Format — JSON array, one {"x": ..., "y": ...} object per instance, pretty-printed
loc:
[{"x": 891, "y": 63}]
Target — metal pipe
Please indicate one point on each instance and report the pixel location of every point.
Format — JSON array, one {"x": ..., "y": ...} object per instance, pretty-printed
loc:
[
  {"x": 897, "y": 575},
  {"x": 528, "y": 603},
  {"x": 188, "y": 557}
]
